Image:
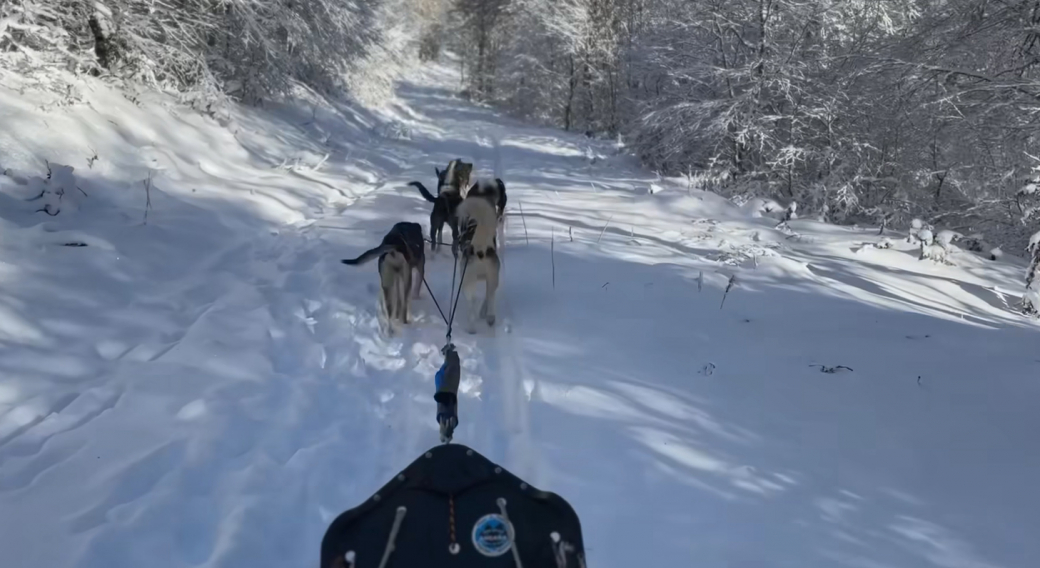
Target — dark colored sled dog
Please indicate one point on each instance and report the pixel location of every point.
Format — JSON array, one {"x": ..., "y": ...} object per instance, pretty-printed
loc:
[
  {"x": 450, "y": 183},
  {"x": 401, "y": 251}
]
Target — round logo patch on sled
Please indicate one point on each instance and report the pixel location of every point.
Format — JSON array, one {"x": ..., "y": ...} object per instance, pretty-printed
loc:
[{"x": 492, "y": 535}]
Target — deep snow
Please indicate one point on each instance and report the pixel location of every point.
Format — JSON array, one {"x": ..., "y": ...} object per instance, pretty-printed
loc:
[{"x": 210, "y": 387}]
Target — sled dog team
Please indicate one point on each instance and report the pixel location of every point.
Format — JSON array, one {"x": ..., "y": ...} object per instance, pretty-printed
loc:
[{"x": 473, "y": 212}]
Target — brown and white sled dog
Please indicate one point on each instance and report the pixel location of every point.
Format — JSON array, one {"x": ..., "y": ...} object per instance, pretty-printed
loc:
[
  {"x": 401, "y": 251},
  {"x": 479, "y": 247}
]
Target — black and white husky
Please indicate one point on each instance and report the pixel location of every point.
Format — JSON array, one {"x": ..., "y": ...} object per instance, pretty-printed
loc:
[
  {"x": 478, "y": 224},
  {"x": 451, "y": 181},
  {"x": 401, "y": 251},
  {"x": 493, "y": 191}
]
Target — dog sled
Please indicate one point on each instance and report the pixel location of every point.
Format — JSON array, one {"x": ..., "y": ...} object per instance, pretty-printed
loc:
[{"x": 454, "y": 508}]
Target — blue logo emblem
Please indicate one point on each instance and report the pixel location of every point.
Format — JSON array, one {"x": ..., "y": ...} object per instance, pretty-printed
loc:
[{"x": 492, "y": 535}]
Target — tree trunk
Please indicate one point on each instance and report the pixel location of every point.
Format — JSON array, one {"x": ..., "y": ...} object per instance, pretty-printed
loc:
[{"x": 572, "y": 82}]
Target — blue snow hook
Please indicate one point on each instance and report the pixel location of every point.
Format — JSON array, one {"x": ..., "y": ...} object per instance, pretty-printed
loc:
[
  {"x": 438, "y": 379},
  {"x": 446, "y": 382}
]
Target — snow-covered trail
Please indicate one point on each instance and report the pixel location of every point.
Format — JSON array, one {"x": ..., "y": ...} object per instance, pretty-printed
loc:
[{"x": 211, "y": 389}]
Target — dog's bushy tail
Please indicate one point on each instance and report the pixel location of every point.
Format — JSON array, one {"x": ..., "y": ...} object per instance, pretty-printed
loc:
[
  {"x": 368, "y": 255},
  {"x": 425, "y": 193},
  {"x": 501, "y": 195}
]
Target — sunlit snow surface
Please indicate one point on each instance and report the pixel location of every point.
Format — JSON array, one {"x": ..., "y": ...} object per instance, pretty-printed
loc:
[{"x": 209, "y": 387}]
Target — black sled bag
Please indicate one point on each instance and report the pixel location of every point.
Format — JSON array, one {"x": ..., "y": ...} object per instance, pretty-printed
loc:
[{"x": 454, "y": 508}]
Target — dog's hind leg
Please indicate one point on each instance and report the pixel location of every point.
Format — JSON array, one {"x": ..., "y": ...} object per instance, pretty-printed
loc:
[
  {"x": 404, "y": 290},
  {"x": 386, "y": 307},
  {"x": 454, "y": 225},
  {"x": 434, "y": 235},
  {"x": 421, "y": 269},
  {"x": 469, "y": 289},
  {"x": 487, "y": 311}
]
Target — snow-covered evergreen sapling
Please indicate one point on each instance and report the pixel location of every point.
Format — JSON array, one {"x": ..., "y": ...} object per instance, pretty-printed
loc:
[
  {"x": 946, "y": 238},
  {"x": 1026, "y": 197},
  {"x": 790, "y": 213},
  {"x": 916, "y": 226},
  {"x": 942, "y": 246},
  {"x": 824, "y": 214},
  {"x": 929, "y": 249}
]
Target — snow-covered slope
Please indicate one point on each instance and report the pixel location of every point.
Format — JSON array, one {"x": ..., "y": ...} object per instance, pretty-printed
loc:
[{"x": 209, "y": 386}]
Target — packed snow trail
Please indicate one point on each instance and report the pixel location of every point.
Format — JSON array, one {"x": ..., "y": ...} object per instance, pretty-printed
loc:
[{"x": 210, "y": 388}]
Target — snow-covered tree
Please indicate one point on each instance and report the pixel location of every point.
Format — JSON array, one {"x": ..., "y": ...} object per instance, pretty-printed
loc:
[
  {"x": 203, "y": 49},
  {"x": 1031, "y": 299},
  {"x": 870, "y": 110},
  {"x": 478, "y": 30}
]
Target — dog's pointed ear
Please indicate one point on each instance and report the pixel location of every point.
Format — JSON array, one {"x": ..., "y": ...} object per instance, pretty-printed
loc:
[
  {"x": 438, "y": 170},
  {"x": 474, "y": 186},
  {"x": 501, "y": 184}
]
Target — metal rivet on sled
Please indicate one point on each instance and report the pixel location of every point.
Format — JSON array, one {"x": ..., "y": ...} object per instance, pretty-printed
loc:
[
  {"x": 429, "y": 454},
  {"x": 454, "y": 548},
  {"x": 498, "y": 470},
  {"x": 400, "y": 477},
  {"x": 523, "y": 486},
  {"x": 555, "y": 536},
  {"x": 376, "y": 497},
  {"x": 469, "y": 452}
]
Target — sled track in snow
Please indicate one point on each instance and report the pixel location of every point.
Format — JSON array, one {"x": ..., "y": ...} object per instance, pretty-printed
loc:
[
  {"x": 520, "y": 452},
  {"x": 507, "y": 437}
]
